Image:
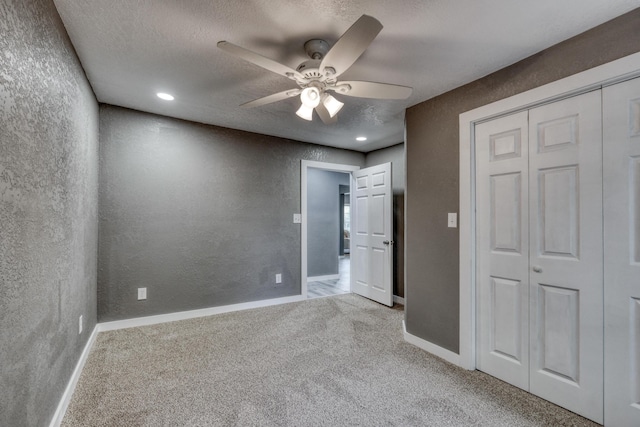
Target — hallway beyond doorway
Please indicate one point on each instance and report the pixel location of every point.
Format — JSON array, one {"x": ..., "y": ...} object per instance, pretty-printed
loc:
[{"x": 325, "y": 288}]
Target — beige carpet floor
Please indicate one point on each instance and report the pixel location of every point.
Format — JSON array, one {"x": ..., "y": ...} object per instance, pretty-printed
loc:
[{"x": 337, "y": 361}]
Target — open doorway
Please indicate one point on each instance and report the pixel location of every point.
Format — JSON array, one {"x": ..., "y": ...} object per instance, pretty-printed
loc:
[
  {"x": 328, "y": 233},
  {"x": 371, "y": 230},
  {"x": 311, "y": 204}
]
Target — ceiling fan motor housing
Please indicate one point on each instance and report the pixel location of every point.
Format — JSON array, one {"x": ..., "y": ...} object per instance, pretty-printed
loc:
[
  {"x": 310, "y": 69},
  {"x": 316, "y": 48}
]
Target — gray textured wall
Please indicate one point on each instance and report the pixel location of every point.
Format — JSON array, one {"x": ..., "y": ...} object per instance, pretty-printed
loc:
[
  {"x": 323, "y": 221},
  {"x": 395, "y": 155},
  {"x": 202, "y": 216},
  {"x": 432, "y": 310},
  {"x": 48, "y": 203}
]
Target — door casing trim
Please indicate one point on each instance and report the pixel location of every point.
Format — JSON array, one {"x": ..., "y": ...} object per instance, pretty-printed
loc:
[{"x": 625, "y": 68}]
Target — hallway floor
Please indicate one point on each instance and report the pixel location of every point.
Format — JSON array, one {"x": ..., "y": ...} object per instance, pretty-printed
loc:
[{"x": 325, "y": 288}]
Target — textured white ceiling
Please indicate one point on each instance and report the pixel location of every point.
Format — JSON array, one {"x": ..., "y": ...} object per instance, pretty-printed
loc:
[{"x": 133, "y": 49}]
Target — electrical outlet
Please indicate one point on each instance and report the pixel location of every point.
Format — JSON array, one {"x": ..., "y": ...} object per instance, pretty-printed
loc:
[
  {"x": 278, "y": 278},
  {"x": 80, "y": 325},
  {"x": 297, "y": 218},
  {"x": 142, "y": 293}
]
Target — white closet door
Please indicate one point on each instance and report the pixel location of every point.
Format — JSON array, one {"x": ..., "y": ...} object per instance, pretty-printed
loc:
[
  {"x": 503, "y": 249},
  {"x": 566, "y": 276},
  {"x": 621, "y": 121}
]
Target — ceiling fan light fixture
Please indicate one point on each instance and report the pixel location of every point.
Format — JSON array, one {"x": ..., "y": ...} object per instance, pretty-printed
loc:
[
  {"x": 332, "y": 105},
  {"x": 165, "y": 96},
  {"x": 305, "y": 112},
  {"x": 310, "y": 97}
]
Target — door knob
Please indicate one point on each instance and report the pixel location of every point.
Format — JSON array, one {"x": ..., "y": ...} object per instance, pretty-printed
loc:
[
  {"x": 387, "y": 242},
  {"x": 537, "y": 269}
]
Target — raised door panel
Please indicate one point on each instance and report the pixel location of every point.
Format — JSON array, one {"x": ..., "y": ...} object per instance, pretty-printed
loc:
[
  {"x": 361, "y": 262},
  {"x": 621, "y": 120},
  {"x": 377, "y": 215},
  {"x": 362, "y": 182},
  {"x": 557, "y": 134},
  {"x": 505, "y": 145},
  {"x": 558, "y": 214},
  {"x": 506, "y": 202},
  {"x": 362, "y": 214},
  {"x": 379, "y": 230},
  {"x": 634, "y": 201},
  {"x": 633, "y": 365},
  {"x": 566, "y": 277},
  {"x": 502, "y": 249},
  {"x": 360, "y": 252},
  {"x": 378, "y": 258},
  {"x": 506, "y": 319},
  {"x": 558, "y": 324}
]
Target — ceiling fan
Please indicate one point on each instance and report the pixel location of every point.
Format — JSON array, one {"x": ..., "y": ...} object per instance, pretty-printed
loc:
[{"x": 318, "y": 76}]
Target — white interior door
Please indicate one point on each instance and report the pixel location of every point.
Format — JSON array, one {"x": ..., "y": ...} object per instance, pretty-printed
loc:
[
  {"x": 372, "y": 234},
  {"x": 503, "y": 249},
  {"x": 621, "y": 120},
  {"x": 566, "y": 277},
  {"x": 539, "y": 252}
]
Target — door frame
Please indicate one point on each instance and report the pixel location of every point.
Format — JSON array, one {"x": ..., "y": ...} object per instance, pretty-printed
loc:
[
  {"x": 601, "y": 76},
  {"x": 304, "y": 167}
]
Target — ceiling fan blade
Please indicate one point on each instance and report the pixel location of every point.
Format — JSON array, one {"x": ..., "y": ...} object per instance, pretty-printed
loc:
[
  {"x": 324, "y": 115},
  {"x": 351, "y": 45},
  {"x": 272, "y": 98},
  {"x": 372, "y": 90},
  {"x": 259, "y": 60}
]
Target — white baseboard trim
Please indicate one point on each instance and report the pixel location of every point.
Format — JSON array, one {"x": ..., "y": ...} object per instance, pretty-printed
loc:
[
  {"x": 71, "y": 385},
  {"x": 436, "y": 350},
  {"x": 191, "y": 314},
  {"x": 398, "y": 300},
  {"x": 320, "y": 278}
]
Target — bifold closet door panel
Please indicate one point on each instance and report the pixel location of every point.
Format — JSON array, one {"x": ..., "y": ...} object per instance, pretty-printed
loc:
[
  {"x": 621, "y": 120},
  {"x": 566, "y": 274},
  {"x": 503, "y": 249}
]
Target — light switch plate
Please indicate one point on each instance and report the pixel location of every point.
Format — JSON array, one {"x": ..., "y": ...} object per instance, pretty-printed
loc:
[
  {"x": 453, "y": 220},
  {"x": 297, "y": 218},
  {"x": 142, "y": 293}
]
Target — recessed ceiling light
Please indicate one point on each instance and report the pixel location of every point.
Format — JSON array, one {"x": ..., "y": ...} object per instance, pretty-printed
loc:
[
  {"x": 361, "y": 138},
  {"x": 165, "y": 96}
]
